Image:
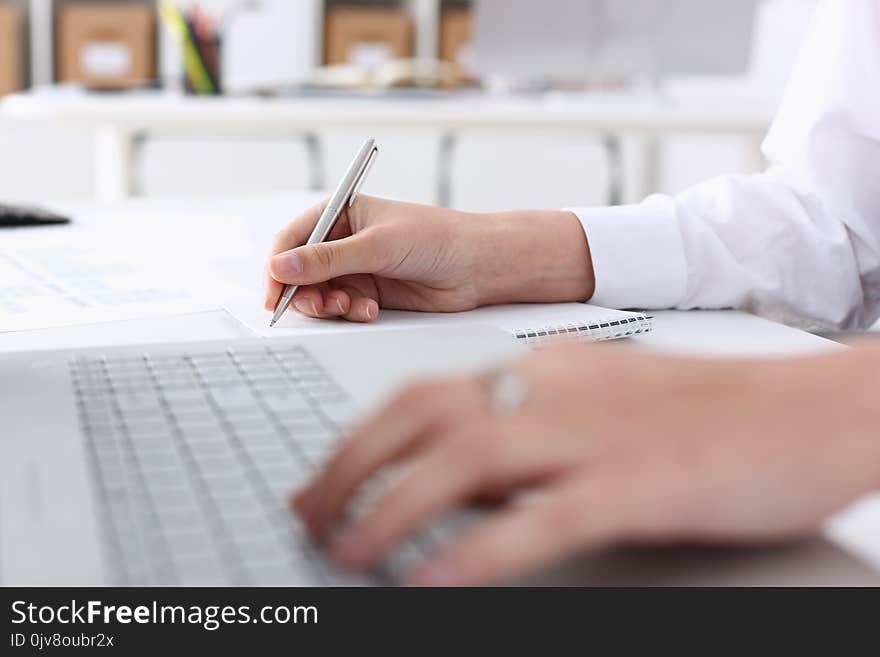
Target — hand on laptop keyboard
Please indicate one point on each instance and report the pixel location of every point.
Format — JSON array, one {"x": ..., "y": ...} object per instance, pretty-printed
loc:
[{"x": 561, "y": 427}]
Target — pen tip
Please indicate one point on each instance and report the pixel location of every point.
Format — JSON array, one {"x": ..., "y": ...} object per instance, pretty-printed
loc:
[{"x": 271, "y": 323}]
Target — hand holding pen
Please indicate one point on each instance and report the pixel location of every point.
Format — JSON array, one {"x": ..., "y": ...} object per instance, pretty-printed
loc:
[
  {"x": 382, "y": 253},
  {"x": 344, "y": 197}
]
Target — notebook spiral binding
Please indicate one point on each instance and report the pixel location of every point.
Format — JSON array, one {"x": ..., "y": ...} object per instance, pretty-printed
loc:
[{"x": 597, "y": 332}]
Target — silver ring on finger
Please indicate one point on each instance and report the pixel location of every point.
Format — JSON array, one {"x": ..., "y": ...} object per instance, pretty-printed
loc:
[{"x": 507, "y": 390}]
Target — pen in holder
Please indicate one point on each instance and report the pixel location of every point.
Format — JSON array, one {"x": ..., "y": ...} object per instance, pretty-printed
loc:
[{"x": 201, "y": 41}]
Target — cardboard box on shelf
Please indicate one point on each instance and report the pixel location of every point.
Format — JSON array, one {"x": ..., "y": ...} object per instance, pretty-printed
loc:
[
  {"x": 106, "y": 46},
  {"x": 11, "y": 49},
  {"x": 456, "y": 36},
  {"x": 366, "y": 36}
]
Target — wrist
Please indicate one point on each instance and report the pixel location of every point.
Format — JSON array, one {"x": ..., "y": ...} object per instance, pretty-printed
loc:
[
  {"x": 848, "y": 388},
  {"x": 867, "y": 358},
  {"x": 531, "y": 257}
]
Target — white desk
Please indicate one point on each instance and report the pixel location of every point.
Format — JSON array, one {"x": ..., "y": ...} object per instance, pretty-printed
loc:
[
  {"x": 123, "y": 122},
  {"x": 237, "y": 232}
]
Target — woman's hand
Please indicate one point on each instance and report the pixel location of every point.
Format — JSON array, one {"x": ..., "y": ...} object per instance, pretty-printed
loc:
[
  {"x": 614, "y": 447},
  {"x": 413, "y": 257}
]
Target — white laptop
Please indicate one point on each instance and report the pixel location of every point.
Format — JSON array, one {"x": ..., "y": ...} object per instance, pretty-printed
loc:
[{"x": 172, "y": 464}]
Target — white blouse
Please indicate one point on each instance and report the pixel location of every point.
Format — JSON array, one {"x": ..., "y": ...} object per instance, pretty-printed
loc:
[{"x": 800, "y": 242}]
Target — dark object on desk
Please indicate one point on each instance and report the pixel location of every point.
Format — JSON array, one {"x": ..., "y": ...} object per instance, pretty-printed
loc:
[{"x": 23, "y": 215}]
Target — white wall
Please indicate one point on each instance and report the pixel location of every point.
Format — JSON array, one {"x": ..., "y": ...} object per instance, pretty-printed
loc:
[
  {"x": 44, "y": 161},
  {"x": 41, "y": 162}
]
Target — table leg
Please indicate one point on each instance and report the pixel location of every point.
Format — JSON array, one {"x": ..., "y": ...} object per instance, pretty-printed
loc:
[
  {"x": 448, "y": 142},
  {"x": 114, "y": 163},
  {"x": 614, "y": 157},
  {"x": 757, "y": 162},
  {"x": 317, "y": 183},
  {"x": 649, "y": 159}
]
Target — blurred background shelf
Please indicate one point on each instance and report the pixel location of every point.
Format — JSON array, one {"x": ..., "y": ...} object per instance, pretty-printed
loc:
[
  {"x": 416, "y": 25},
  {"x": 533, "y": 165}
]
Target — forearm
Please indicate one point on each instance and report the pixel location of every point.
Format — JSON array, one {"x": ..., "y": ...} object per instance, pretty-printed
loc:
[
  {"x": 532, "y": 257},
  {"x": 861, "y": 368}
]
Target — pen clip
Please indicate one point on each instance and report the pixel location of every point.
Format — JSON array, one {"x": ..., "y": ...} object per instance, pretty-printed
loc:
[{"x": 362, "y": 176}]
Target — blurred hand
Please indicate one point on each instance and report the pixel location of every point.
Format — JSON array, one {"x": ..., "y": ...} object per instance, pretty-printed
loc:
[
  {"x": 614, "y": 447},
  {"x": 412, "y": 257}
]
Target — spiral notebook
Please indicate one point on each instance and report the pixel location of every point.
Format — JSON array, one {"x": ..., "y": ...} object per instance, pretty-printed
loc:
[
  {"x": 538, "y": 323},
  {"x": 586, "y": 323},
  {"x": 527, "y": 323}
]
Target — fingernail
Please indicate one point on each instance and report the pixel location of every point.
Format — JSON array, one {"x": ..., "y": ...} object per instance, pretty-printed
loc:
[
  {"x": 290, "y": 264},
  {"x": 372, "y": 310},
  {"x": 314, "y": 517},
  {"x": 302, "y": 306},
  {"x": 299, "y": 500},
  {"x": 314, "y": 308},
  {"x": 348, "y": 548},
  {"x": 339, "y": 305},
  {"x": 437, "y": 573},
  {"x": 305, "y": 509},
  {"x": 307, "y": 504}
]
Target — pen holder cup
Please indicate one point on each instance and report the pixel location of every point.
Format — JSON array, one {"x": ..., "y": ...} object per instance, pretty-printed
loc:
[{"x": 202, "y": 74}]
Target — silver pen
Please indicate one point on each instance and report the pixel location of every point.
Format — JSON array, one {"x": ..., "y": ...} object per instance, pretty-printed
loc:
[{"x": 344, "y": 196}]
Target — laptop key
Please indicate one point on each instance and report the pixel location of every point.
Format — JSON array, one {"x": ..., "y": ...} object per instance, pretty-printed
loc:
[
  {"x": 340, "y": 410},
  {"x": 260, "y": 550}
]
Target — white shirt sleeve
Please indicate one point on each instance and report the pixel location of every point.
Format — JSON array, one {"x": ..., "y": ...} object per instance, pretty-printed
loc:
[{"x": 800, "y": 242}]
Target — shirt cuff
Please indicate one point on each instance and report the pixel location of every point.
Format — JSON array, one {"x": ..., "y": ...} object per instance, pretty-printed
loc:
[{"x": 637, "y": 253}]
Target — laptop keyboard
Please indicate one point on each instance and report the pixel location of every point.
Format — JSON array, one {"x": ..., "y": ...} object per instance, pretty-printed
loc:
[{"x": 194, "y": 457}]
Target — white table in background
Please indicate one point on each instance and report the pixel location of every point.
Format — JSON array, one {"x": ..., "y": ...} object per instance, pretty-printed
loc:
[
  {"x": 251, "y": 222},
  {"x": 123, "y": 122}
]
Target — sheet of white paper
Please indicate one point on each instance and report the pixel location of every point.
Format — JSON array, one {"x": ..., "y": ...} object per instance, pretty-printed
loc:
[
  {"x": 512, "y": 318},
  {"x": 60, "y": 285}
]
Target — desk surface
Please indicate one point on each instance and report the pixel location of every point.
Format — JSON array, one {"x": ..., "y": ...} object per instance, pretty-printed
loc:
[
  {"x": 240, "y": 231},
  {"x": 455, "y": 110}
]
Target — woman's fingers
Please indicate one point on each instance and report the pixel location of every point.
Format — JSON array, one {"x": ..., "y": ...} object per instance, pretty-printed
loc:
[
  {"x": 272, "y": 290},
  {"x": 476, "y": 458},
  {"x": 298, "y": 231},
  {"x": 389, "y": 434},
  {"x": 362, "y": 307},
  {"x": 347, "y": 302},
  {"x": 308, "y": 301},
  {"x": 337, "y": 303},
  {"x": 321, "y": 302},
  {"x": 318, "y": 263},
  {"x": 579, "y": 515},
  {"x": 442, "y": 479},
  {"x": 294, "y": 234},
  {"x": 325, "y": 302},
  {"x": 322, "y": 263}
]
